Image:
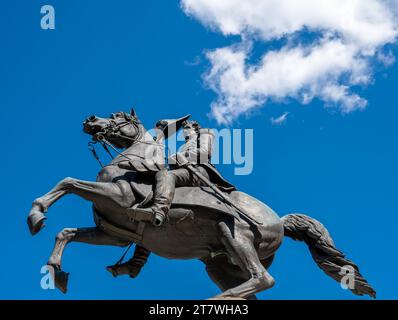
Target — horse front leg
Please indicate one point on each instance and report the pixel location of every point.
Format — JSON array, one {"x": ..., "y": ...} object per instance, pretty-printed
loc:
[
  {"x": 102, "y": 193},
  {"x": 93, "y": 236}
]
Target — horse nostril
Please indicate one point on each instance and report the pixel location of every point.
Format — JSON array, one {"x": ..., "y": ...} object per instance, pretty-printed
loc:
[{"x": 91, "y": 118}]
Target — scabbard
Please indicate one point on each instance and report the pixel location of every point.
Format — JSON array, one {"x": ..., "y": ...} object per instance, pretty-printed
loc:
[{"x": 223, "y": 196}]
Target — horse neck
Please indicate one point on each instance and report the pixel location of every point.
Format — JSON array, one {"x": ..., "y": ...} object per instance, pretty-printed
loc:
[{"x": 144, "y": 148}]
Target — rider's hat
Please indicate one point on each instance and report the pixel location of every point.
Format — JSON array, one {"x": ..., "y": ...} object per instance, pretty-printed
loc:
[{"x": 171, "y": 126}]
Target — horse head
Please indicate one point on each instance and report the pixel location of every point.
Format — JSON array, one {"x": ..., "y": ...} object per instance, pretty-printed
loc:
[{"x": 121, "y": 129}]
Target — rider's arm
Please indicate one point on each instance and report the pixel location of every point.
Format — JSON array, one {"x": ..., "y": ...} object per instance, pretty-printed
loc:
[
  {"x": 179, "y": 158},
  {"x": 206, "y": 144},
  {"x": 195, "y": 152}
]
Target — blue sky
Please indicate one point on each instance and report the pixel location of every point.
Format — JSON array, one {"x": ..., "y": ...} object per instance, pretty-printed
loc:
[{"x": 105, "y": 57}]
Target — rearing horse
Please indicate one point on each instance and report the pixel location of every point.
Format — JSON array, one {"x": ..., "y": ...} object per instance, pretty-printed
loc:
[{"x": 236, "y": 252}]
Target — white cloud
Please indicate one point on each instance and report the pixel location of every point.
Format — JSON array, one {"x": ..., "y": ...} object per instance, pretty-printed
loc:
[{"x": 329, "y": 47}]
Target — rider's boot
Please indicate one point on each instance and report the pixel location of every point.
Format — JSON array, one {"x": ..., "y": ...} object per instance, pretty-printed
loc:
[
  {"x": 164, "y": 194},
  {"x": 133, "y": 266}
]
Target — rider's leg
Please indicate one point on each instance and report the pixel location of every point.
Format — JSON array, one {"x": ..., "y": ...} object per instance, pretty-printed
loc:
[
  {"x": 163, "y": 195},
  {"x": 133, "y": 266},
  {"x": 185, "y": 178},
  {"x": 166, "y": 182},
  {"x": 119, "y": 193},
  {"x": 85, "y": 235}
]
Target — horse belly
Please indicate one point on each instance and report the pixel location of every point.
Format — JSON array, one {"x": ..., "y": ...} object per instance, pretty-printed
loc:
[
  {"x": 171, "y": 247},
  {"x": 184, "y": 237}
]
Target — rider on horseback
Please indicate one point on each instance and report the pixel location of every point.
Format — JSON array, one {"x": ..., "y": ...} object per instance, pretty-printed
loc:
[
  {"x": 197, "y": 151},
  {"x": 237, "y": 255}
]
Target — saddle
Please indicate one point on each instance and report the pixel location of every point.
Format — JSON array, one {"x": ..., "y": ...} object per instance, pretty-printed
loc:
[
  {"x": 186, "y": 199},
  {"x": 197, "y": 197}
]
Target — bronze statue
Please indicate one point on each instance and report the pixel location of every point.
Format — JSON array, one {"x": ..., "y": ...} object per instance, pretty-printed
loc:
[
  {"x": 182, "y": 211},
  {"x": 196, "y": 150}
]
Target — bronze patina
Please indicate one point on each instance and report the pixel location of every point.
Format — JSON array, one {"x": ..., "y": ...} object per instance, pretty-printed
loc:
[{"x": 182, "y": 211}]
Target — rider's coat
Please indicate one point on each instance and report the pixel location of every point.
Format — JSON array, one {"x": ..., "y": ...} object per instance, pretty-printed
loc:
[{"x": 198, "y": 150}]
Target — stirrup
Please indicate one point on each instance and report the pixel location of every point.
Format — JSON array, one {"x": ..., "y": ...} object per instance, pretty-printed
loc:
[
  {"x": 159, "y": 219},
  {"x": 146, "y": 215},
  {"x": 140, "y": 214}
]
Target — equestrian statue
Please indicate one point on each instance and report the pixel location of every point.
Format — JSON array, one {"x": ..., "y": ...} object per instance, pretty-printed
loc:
[{"x": 182, "y": 208}]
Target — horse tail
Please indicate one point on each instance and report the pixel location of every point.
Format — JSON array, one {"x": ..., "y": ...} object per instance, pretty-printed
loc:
[{"x": 332, "y": 261}]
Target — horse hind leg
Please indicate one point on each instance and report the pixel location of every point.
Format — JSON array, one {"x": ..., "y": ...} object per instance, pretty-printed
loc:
[
  {"x": 226, "y": 275},
  {"x": 240, "y": 247},
  {"x": 93, "y": 236}
]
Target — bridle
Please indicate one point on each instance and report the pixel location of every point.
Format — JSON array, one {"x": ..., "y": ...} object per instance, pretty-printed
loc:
[{"x": 113, "y": 129}]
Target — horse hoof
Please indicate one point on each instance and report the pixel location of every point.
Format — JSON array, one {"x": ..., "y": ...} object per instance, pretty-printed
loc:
[
  {"x": 61, "y": 280},
  {"x": 36, "y": 221},
  {"x": 225, "y": 298}
]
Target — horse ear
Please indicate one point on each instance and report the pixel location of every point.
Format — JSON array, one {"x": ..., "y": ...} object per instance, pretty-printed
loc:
[{"x": 132, "y": 112}]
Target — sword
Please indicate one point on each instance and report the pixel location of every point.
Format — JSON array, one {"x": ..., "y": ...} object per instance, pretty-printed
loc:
[{"x": 221, "y": 194}]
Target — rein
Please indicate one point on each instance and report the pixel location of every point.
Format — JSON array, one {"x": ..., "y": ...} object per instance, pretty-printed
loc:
[{"x": 114, "y": 130}]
